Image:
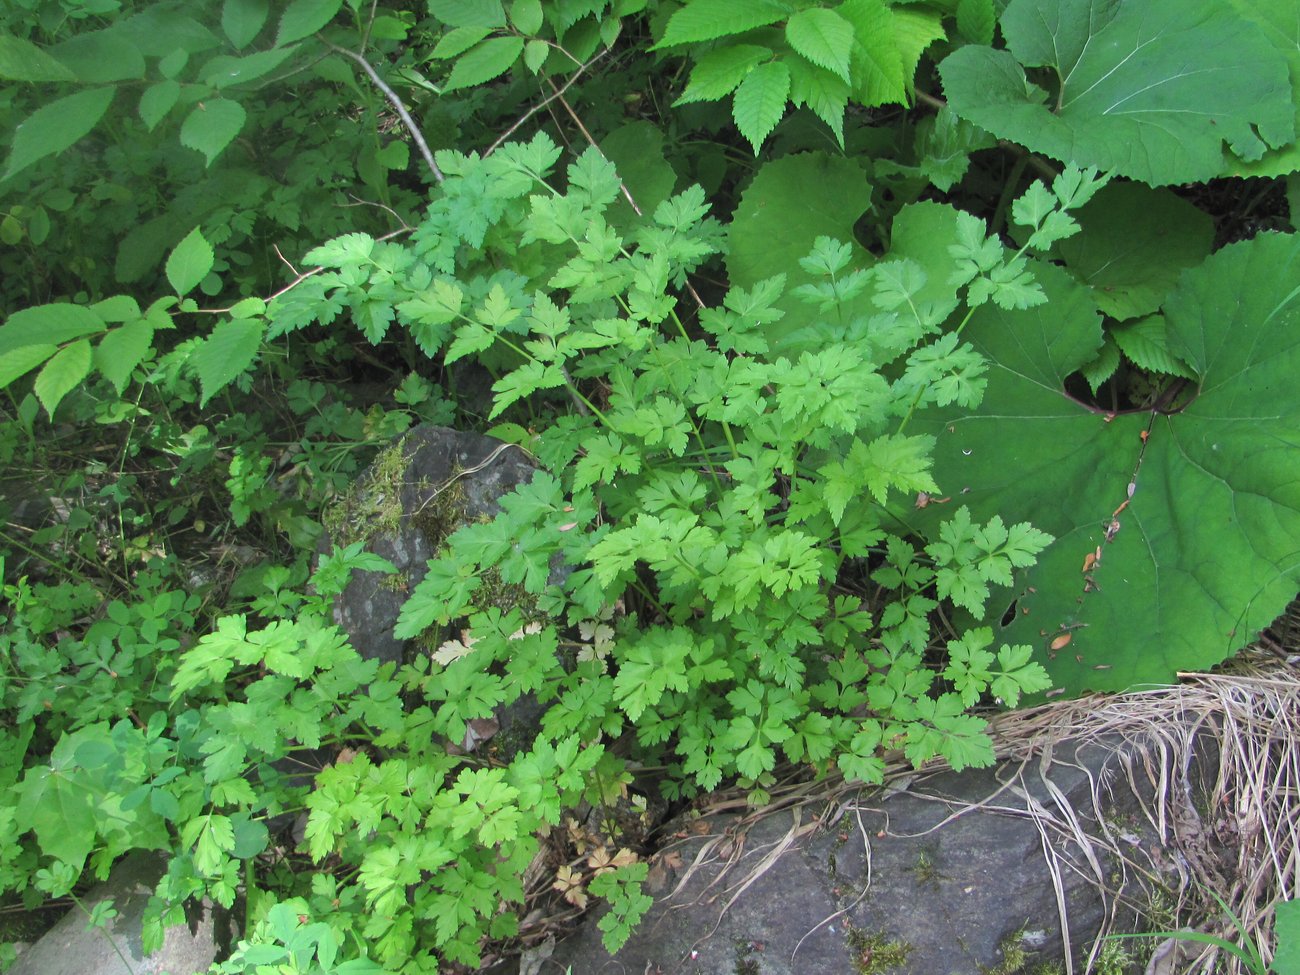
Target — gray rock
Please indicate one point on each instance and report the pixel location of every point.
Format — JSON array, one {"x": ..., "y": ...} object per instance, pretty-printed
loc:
[
  {"x": 70, "y": 948},
  {"x": 947, "y": 874},
  {"x": 415, "y": 494}
]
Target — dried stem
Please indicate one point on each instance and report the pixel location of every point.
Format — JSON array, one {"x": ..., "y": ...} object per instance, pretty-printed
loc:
[{"x": 416, "y": 135}]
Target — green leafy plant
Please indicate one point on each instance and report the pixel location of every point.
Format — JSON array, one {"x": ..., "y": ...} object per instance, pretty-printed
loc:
[
  {"x": 1246, "y": 951},
  {"x": 806, "y": 424}
]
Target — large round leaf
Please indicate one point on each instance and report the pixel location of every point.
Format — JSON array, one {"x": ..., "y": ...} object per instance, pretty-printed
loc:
[
  {"x": 1151, "y": 89},
  {"x": 1178, "y": 534}
]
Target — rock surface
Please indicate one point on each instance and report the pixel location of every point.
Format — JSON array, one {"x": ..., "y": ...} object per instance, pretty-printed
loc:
[
  {"x": 948, "y": 873},
  {"x": 70, "y": 948},
  {"x": 416, "y": 492}
]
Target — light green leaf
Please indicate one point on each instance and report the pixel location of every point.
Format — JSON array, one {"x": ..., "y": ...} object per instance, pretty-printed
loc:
[
  {"x": 535, "y": 54},
  {"x": 1134, "y": 243},
  {"x": 914, "y": 30},
  {"x": 189, "y": 262},
  {"x": 760, "y": 101},
  {"x": 707, "y": 20},
  {"x": 717, "y": 73},
  {"x": 22, "y": 360},
  {"x": 1146, "y": 343},
  {"x": 526, "y": 15},
  {"x": 157, "y": 101},
  {"x": 225, "y": 354},
  {"x": 1103, "y": 366},
  {"x": 481, "y": 64},
  {"x": 212, "y": 125},
  {"x": 1128, "y": 99},
  {"x": 457, "y": 41},
  {"x": 878, "y": 75},
  {"x": 1204, "y": 549},
  {"x": 242, "y": 20},
  {"x": 342, "y": 251},
  {"x": 21, "y": 60},
  {"x": 823, "y": 37},
  {"x": 121, "y": 350},
  {"x": 45, "y": 324},
  {"x": 302, "y": 18},
  {"x": 62, "y": 374},
  {"x": 469, "y": 13},
  {"x": 57, "y": 126},
  {"x": 825, "y": 93}
]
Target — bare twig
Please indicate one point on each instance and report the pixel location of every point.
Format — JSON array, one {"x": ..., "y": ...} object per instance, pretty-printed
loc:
[
  {"x": 558, "y": 93},
  {"x": 416, "y": 135}
]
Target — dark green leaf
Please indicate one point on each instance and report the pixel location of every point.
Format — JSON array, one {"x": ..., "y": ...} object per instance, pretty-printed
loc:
[
  {"x": 1134, "y": 243},
  {"x": 1201, "y": 552},
  {"x": 1128, "y": 100}
]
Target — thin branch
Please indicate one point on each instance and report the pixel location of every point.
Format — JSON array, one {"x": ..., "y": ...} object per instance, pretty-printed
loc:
[
  {"x": 558, "y": 93},
  {"x": 396, "y": 102},
  {"x": 299, "y": 276}
]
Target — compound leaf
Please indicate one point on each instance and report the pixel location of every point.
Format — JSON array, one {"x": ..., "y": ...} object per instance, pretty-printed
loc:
[
  {"x": 1178, "y": 533},
  {"x": 1147, "y": 88}
]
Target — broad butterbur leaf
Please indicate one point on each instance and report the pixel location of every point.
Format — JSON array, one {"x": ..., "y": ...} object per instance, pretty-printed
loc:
[
  {"x": 1126, "y": 96},
  {"x": 1134, "y": 243},
  {"x": 1178, "y": 532}
]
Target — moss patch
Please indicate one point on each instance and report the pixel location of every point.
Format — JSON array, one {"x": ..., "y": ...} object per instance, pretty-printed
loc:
[{"x": 876, "y": 954}]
